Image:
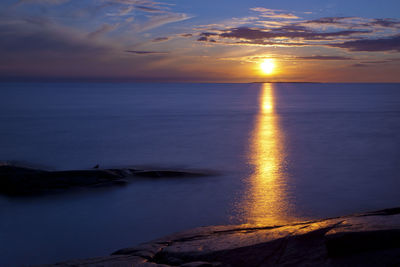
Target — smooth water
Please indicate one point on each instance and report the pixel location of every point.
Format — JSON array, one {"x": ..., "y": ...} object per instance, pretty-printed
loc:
[{"x": 283, "y": 152}]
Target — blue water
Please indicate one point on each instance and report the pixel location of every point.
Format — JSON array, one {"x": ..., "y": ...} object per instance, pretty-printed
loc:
[{"x": 283, "y": 152}]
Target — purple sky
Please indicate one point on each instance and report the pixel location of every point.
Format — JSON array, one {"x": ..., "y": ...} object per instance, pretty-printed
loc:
[{"x": 220, "y": 40}]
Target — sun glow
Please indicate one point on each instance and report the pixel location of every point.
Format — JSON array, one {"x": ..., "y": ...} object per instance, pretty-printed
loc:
[{"x": 268, "y": 66}]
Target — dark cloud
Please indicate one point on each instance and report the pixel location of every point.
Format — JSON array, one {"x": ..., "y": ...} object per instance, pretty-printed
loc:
[
  {"x": 149, "y": 9},
  {"x": 39, "y": 21},
  {"x": 359, "y": 65},
  {"x": 27, "y": 49},
  {"x": 23, "y": 38},
  {"x": 145, "y": 52},
  {"x": 327, "y": 20},
  {"x": 376, "y": 62},
  {"x": 50, "y": 2},
  {"x": 208, "y": 34},
  {"x": 389, "y": 23},
  {"x": 271, "y": 43},
  {"x": 206, "y": 39},
  {"x": 372, "y": 45},
  {"x": 187, "y": 35},
  {"x": 384, "y": 61},
  {"x": 351, "y": 33},
  {"x": 161, "y": 39},
  {"x": 325, "y": 58},
  {"x": 291, "y": 32}
]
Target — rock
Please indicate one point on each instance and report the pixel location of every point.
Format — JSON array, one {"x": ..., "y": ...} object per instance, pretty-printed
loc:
[
  {"x": 200, "y": 264},
  {"x": 16, "y": 180},
  {"x": 23, "y": 181},
  {"x": 363, "y": 234},
  {"x": 165, "y": 173},
  {"x": 369, "y": 239},
  {"x": 146, "y": 251},
  {"x": 111, "y": 261}
]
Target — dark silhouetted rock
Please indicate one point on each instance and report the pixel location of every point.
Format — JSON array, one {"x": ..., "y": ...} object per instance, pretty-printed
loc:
[
  {"x": 165, "y": 173},
  {"x": 16, "y": 180}
]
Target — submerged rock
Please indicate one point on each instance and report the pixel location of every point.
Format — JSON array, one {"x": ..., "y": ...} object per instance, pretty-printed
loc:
[
  {"x": 370, "y": 239},
  {"x": 15, "y": 180}
]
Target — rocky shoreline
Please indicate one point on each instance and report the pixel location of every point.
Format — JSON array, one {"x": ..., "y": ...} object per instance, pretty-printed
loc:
[{"x": 368, "y": 239}]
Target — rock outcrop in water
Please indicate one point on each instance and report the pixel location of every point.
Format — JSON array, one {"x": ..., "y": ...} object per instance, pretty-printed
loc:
[
  {"x": 370, "y": 239},
  {"x": 16, "y": 180}
]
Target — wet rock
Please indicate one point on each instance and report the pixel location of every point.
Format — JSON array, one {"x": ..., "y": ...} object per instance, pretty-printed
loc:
[
  {"x": 369, "y": 239},
  {"x": 365, "y": 233},
  {"x": 151, "y": 247},
  {"x": 201, "y": 264},
  {"x": 111, "y": 261}
]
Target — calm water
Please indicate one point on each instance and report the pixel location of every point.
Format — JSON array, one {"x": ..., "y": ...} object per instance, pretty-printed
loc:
[{"x": 284, "y": 152}]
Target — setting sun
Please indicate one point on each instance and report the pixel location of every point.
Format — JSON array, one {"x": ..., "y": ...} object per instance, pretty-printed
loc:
[{"x": 268, "y": 66}]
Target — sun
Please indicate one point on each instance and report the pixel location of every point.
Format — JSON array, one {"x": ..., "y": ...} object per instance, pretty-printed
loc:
[{"x": 268, "y": 66}]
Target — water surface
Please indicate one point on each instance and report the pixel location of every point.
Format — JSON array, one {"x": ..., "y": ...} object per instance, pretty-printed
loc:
[{"x": 284, "y": 152}]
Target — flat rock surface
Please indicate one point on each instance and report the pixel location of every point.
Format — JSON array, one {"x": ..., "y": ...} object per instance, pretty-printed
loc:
[{"x": 369, "y": 239}]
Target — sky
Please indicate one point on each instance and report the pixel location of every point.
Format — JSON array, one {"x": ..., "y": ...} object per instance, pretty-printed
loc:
[{"x": 200, "y": 41}]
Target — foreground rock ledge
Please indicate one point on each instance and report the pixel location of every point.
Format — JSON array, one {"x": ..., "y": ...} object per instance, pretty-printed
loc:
[{"x": 369, "y": 239}]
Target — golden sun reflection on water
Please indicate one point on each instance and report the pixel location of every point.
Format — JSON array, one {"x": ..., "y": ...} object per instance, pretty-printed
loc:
[{"x": 265, "y": 201}]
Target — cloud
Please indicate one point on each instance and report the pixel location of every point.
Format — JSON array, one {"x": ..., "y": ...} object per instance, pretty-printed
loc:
[
  {"x": 142, "y": 5},
  {"x": 145, "y": 52},
  {"x": 285, "y": 29},
  {"x": 39, "y": 21},
  {"x": 359, "y": 65},
  {"x": 160, "y": 20},
  {"x": 156, "y": 14},
  {"x": 105, "y": 28},
  {"x": 149, "y": 9},
  {"x": 24, "y": 38},
  {"x": 208, "y": 34},
  {"x": 389, "y": 23},
  {"x": 376, "y": 62},
  {"x": 123, "y": 11},
  {"x": 273, "y": 13},
  {"x": 291, "y": 31},
  {"x": 372, "y": 45},
  {"x": 373, "y": 62},
  {"x": 350, "y": 33},
  {"x": 161, "y": 39},
  {"x": 49, "y": 2},
  {"x": 272, "y": 43},
  {"x": 327, "y": 20},
  {"x": 336, "y": 22},
  {"x": 324, "y": 58},
  {"x": 354, "y": 22}
]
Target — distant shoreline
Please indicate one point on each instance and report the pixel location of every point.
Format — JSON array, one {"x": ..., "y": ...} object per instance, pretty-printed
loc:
[{"x": 106, "y": 81}]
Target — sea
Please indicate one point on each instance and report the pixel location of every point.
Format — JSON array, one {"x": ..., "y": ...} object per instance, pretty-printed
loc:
[{"x": 274, "y": 153}]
